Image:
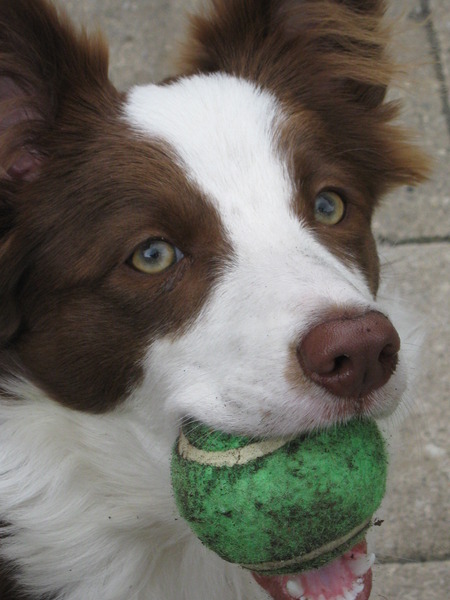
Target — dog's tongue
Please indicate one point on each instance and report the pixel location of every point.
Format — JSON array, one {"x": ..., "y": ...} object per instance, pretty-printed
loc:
[{"x": 348, "y": 577}]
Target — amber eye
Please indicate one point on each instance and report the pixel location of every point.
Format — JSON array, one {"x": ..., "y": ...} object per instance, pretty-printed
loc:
[
  {"x": 155, "y": 256},
  {"x": 329, "y": 208}
]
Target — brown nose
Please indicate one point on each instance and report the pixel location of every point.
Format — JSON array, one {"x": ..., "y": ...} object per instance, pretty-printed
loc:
[{"x": 350, "y": 357}]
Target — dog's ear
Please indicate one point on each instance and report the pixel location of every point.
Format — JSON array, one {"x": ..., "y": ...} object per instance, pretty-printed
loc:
[
  {"x": 48, "y": 71},
  {"x": 328, "y": 57},
  {"x": 43, "y": 60},
  {"x": 290, "y": 44}
]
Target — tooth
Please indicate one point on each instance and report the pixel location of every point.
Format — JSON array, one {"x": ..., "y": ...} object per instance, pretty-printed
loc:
[
  {"x": 358, "y": 587},
  {"x": 295, "y": 589},
  {"x": 360, "y": 566}
]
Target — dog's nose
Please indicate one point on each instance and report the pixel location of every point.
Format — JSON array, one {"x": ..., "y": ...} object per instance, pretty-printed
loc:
[{"x": 350, "y": 357}]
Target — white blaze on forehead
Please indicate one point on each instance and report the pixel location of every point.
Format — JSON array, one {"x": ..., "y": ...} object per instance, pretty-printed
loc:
[{"x": 224, "y": 131}]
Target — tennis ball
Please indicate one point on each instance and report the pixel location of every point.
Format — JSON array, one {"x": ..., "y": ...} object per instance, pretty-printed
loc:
[{"x": 276, "y": 506}]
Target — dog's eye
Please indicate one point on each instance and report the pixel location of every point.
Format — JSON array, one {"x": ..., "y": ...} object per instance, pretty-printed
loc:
[
  {"x": 155, "y": 256},
  {"x": 329, "y": 208}
]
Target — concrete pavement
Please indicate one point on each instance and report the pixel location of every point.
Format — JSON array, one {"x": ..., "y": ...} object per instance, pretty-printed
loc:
[{"x": 413, "y": 227}]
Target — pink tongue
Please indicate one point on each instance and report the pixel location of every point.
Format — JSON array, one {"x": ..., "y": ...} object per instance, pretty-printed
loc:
[{"x": 338, "y": 580}]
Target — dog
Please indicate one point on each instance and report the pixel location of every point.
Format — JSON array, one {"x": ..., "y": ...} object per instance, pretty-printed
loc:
[{"x": 195, "y": 249}]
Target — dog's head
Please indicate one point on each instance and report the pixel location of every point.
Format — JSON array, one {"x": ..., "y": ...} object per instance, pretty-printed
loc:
[{"x": 203, "y": 247}]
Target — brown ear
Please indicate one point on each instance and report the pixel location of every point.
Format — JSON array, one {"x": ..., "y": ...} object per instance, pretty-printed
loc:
[
  {"x": 48, "y": 72},
  {"x": 289, "y": 42},
  {"x": 326, "y": 56},
  {"x": 43, "y": 60}
]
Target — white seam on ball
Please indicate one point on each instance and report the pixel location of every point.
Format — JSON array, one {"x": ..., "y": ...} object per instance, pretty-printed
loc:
[
  {"x": 228, "y": 458},
  {"x": 329, "y": 547}
]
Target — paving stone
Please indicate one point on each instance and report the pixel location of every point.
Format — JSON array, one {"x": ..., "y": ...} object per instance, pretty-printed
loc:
[
  {"x": 423, "y": 581},
  {"x": 440, "y": 10},
  {"x": 142, "y": 34},
  {"x": 411, "y": 213},
  {"x": 416, "y": 511}
]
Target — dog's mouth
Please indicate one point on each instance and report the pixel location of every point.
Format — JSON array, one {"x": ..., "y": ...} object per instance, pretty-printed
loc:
[{"x": 348, "y": 577}]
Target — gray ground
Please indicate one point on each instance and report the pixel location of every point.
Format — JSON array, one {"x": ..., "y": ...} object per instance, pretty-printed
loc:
[{"x": 414, "y": 230}]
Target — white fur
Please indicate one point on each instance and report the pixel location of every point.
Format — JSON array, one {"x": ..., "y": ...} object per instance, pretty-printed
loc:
[
  {"x": 92, "y": 508},
  {"x": 89, "y": 496}
]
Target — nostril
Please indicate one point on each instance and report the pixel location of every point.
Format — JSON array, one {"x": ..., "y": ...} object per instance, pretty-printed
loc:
[
  {"x": 341, "y": 363},
  {"x": 335, "y": 366},
  {"x": 350, "y": 356},
  {"x": 329, "y": 366}
]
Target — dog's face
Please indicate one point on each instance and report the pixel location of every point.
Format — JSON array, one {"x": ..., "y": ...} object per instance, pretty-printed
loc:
[
  {"x": 176, "y": 245},
  {"x": 280, "y": 266}
]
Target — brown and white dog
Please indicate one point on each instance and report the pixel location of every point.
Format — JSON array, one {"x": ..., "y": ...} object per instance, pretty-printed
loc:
[{"x": 197, "y": 249}]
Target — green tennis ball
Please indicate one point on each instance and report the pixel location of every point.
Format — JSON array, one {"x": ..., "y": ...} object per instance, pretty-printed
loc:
[{"x": 277, "y": 506}]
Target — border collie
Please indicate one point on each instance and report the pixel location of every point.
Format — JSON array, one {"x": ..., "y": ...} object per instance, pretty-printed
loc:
[{"x": 195, "y": 249}]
